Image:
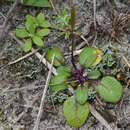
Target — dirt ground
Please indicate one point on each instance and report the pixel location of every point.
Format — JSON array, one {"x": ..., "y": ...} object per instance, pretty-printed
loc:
[{"x": 22, "y": 84}]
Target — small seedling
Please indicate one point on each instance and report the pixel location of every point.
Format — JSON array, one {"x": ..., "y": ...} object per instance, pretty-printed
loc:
[
  {"x": 63, "y": 23},
  {"x": 63, "y": 19},
  {"x": 34, "y": 32}
]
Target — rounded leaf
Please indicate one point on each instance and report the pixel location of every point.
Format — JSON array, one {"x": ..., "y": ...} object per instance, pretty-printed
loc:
[
  {"x": 87, "y": 57},
  {"x": 64, "y": 70},
  {"x": 43, "y": 32},
  {"x": 82, "y": 94},
  {"x": 75, "y": 113},
  {"x": 30, "y": 23},
  {"x": 58, "y": 83},
  {"x": 110, "y": 90},
  {"x": 58, "y": 56},
  {"x": 36, "y": 3},
  {"x": 40, "y": 18},
  {"x": 45, "y": 24},
  {"x": 42, "y": 22},
  {"x": 38, "y": 41},
  {"x": 94, "y": 74},
  {"x": 22, "y": 33},
  {"x": 28, "y": 45}
]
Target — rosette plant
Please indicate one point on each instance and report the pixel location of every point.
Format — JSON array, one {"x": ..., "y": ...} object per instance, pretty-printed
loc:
[
  {"x": 34, "y": 31},
  {"x": 76, "y": 108},
  {"x": 79, "y": 79}
]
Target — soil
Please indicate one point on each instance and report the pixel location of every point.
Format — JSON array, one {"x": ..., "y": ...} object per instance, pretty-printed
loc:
[{"x": 19, "y": 107}]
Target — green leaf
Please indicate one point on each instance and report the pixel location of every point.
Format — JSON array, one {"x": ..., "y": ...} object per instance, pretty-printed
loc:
[
  {"x": 58, "y": 56},
  {"x": 82, "y": 95},
  {"x": 37, "y": 3},
  {"x": 110, "y": 90},
  {"x": 22, "y": 33},
  {"x": 38, "y": 41},
  {"x": 75, "y": 113},
  {"x": 94, "y": 74},
  {"x": 44, "y": 24},
  {"x": 28, "y": 45},
  {"x": 63, "y": 19},
  {"x": 58, "y": 83},
  {"x": 41, "y": 21},
  {"x": 64, "y": 70},
  {"x": 87, "y": 57},
  {"x": 40, "y": 18},
  {"x": 43, "y": 32},
  {"x": 30, "y": 24}
]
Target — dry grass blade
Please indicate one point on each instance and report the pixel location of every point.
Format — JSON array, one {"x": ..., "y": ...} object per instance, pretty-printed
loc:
[
  {"x": 127, "y": 62},
  {"x": 22, "y": 58},
  {"x": 53, "y": 6},
  {"x": 99, "y": 118},
  {"x": 81, "y": 45},
  {"x": 43, "y": 97}
]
